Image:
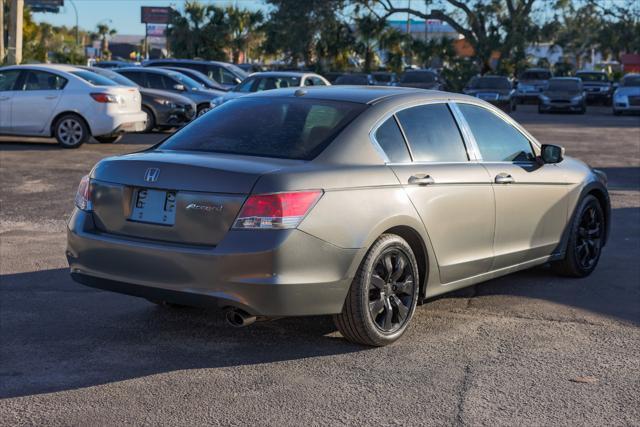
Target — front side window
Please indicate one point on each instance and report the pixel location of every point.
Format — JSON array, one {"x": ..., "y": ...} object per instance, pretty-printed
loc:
[
  {"x": 227, "y": 77},
  {"x": 41, "y": 80},
  {"x": 497, "y": 140},
  {"x": 391, "y": 141},
  {"x": 317, "y": 81},
  {"x": 267, "y": 127},
  {"x": 138, "y": 78},
  {"x": 432, "y": 134},
  {"x": 157, "y": 81},
  {"x": 8, "y": 79}
]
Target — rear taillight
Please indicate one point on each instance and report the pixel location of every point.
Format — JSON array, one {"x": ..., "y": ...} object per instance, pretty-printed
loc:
[
  {"x": 105, "y": 98},
  {"x": 276, "y": 211},
  {"x": 83, "y": 196}
]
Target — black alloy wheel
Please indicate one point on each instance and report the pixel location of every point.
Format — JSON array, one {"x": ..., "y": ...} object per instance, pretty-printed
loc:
[{"x": 589, "y": 238}]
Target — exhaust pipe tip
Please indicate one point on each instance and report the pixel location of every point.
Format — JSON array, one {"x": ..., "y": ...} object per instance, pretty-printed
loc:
[{"x": 238, "y": 318}]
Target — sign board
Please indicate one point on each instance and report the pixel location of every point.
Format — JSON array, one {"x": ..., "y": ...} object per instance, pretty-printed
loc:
[
  {"x": 156, "y": 30},
  {"x": 155, "y": 15},
  {"x": 44, "y": 5}
]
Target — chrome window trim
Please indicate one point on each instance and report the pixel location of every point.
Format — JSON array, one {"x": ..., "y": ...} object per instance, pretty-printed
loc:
[
  {"x": 393, "y": 113},
  {"x": 472, "y": 146}
]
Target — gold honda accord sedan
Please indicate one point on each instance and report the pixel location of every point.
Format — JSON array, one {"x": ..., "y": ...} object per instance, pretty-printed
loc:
[{"x": 354, "y": 202}]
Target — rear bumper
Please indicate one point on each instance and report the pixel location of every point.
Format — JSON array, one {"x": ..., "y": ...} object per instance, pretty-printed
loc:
[
  {"x": 266, "y": 273},
  {"x": 119, "y": 123}
]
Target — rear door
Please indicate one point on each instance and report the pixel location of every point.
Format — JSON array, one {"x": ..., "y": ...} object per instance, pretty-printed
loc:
[
  {"x": 531, "y": 202},
  {"x": 451, "y": 192},
  {"x": 8, "y": 83},
  {"x": 35, "y": 103}
]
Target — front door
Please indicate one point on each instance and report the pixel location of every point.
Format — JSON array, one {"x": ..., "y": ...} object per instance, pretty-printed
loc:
[
  {"x": 452, "y": 194},
  {"x": 8, "y": 82},
  {"x": 531, "y": 198},
  {"x": 34, "y": 105}
]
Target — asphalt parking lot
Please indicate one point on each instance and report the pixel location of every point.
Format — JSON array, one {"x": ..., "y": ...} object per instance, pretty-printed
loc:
[{"x": 527, "y": 349}]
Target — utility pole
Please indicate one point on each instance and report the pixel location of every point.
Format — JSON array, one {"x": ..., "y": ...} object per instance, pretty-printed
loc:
[
  {"x": 1, "y": 31},
  {"x": 16, "y": 14}
]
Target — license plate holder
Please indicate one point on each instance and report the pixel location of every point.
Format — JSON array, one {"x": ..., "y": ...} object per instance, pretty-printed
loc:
[{"x": 154, "y": 206}]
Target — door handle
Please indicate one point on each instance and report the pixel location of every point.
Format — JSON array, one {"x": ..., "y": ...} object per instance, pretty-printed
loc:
[
  {"x": 3, "y": 98},
  {"x": 421, "y": 179},
  {"x": 504, "y": 178},
  {"x": 51, "y": 97}
]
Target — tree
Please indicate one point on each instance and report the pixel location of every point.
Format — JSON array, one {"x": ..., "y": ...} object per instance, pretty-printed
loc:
[
  {"x": 369, "y": 30},
  {"x": 243, "y": 30},
  {"x": 104, "y": 34},
  {"x": 197, "y": 32},
  {"x": 488, "y": 25}
]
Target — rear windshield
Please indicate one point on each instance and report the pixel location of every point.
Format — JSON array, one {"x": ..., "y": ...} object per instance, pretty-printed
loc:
[
  {"x": 382, "y": 77},
  {"x": 490, "y": 83},
  {"x": 93, "y": 78},
  {"x": 535, "y": 75},
  {"x": 289, "y": 128},
  {"x": 563, "y": 85},
  {"x": 592, "y": 77},
  {"x": 417, "y": 77}
]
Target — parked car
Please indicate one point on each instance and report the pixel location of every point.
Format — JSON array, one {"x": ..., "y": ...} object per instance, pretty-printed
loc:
[
  {"x": 422, "y": 79},
  {"x": 332, "y": 76},
  {"x": 626, "y": 98},
  {"x": 597, "y": 86},
  {"x": 67, "y": 103},
  {"x": 496, "y": 90},
  {"x": 385, "y": 78},
  {"x": 355, "y": 79},
  {"x": 113, "y": 64},
  {"x": 290, "y": 203},
  {"x": 163, "y": 109},
  {"x": 251, "y": 68},
  {"x": 167, "y": 80},
  {"x": 201, "y": 78},
  {"x": 531, "y": 83},
  {"x": 563, "y": 94},
  {"x": 228, "y": 75},
  {"x": 269, "y": 80}
]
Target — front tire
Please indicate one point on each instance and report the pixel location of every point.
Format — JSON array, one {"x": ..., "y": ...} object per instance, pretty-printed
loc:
[
  {"x": 71, "y": 131},
  {"x": 585, "y": 241},
  {"x": 383, "y": 295}
]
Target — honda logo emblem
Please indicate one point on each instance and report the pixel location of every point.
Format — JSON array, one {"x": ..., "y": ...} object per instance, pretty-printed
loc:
[{"x": 152, "y": 174}]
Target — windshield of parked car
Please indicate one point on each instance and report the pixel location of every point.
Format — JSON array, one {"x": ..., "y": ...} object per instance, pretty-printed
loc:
[
  {"x": 242, "y": 74},
  {"x": 352, "y": 80},
  {"x": 563, "y": 85},
  {"x": 93, "y": 78},
  {"x": 418, "y": 77},
  {"x": 187, "y": 81},
  {"x": 631, "y": 81},
  {"x": 592, "y": 77},
  {"x": 535, "y": 75},
  {"x": 267, "y": 127},
  {"x": 382, "y": 77},
  {"x": 490, "y": 83}
]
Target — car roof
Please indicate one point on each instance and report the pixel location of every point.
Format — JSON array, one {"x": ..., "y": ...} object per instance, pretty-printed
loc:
[
  {"x": 46, "y": 67},
  {"x": 590, "y": 72},
  {"x": 157, "y": 70},
  {"x": 282, "y": 74},
  {"x": 358, "y": 94},
  {"x": 566, "y": 78},
  {"x": 188, "y": 61}
]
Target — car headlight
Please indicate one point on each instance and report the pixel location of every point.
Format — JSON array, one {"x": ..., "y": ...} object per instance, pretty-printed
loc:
[
  {"x": 165, "y": 102},
  {"x": 216, "y": 101},
  {"x": 577, "y": 98},
  {"x": 545, "y": 99}
]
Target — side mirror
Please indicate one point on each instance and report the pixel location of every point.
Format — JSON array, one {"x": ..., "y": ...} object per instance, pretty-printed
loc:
[
  {"x": 552, "y": 153},
  {"x": 179, "y": 87}
]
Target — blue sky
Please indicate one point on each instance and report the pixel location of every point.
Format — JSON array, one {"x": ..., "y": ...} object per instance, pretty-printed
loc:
[{"x": 123, "y": 15}]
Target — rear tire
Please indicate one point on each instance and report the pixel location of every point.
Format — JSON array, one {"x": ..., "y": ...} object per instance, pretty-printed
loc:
[
  {"x": 108, "y": 139},
  {"x": 71, "y": 131},
  {"x": 383, "y": 295},
  {"x": 202, "y": 109},
  {"x": 585, "y": 240},
  {"x": 151, "y": 120}
]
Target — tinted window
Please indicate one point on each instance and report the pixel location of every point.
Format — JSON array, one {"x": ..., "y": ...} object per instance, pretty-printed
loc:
[
  {"x": 245, "y": 86},
  {"x": 564, "y": 85},
  {"x": 490, "y": 83},
  {"x": 270, "y": 127},
  {"x": 138, "y": 78},
  {"x": 8, "y": 79},
  {"x": 318, "y": 81},
  {"x": 158, "y": 81},
  {"x": 183, "y": 79},
  {"x": 268, "y": 83},
  {"x": 118, "y": 78},
  {"x": 631, "y": 81},
  {"x": 352, "y": 80},
  {"x": 593, "y": 77},
  {"x": 392, "y": 142},
  {"x": 432, "y": 134},
  {"x": 40, "y": 80},
  {"x": 226, "y": 77},
  {"x": 497, "y": 140},
  {"x": 93, "y": 78},
  {"x": 535, "y": 75}
]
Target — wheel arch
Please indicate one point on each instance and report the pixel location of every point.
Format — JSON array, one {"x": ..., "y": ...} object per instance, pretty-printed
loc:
[
  {"x": 75, "y": 113},
  {"x": 419, "y": 248}
]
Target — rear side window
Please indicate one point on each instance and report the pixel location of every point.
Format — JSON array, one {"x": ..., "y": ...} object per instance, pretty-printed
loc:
[
  {"x": 497, "y": 140},
  {"x": 41, "y": 80},
  {"x": 94, "y": 79},
  {"x": 289, "y": 128},
  {"x": 392, "y": 142},
  {"x": 8, "y": 79},
  {"x": 136, "y": 77},
  {"x": 432, "y": 134}
]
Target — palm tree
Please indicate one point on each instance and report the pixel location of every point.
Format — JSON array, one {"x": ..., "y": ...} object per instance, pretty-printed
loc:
[
  {"x": 243, "y": 30},
  {"x": 104, "y": 34},
  {"x": 369, "y": 29}
]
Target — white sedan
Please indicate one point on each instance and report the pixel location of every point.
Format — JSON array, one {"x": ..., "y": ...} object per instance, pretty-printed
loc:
[{"x": 67, "y": 103}]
